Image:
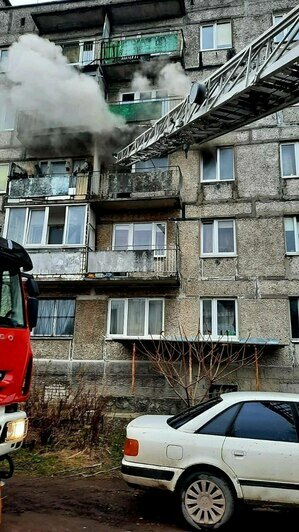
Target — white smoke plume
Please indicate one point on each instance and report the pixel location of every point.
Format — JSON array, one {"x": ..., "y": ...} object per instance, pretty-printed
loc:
[
  {"x": 43, "y": 83},
  {"x": 169, "y": 77}
]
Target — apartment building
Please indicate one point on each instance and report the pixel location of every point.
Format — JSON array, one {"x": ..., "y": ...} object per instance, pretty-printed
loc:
[{"x": 204, "y": 239}]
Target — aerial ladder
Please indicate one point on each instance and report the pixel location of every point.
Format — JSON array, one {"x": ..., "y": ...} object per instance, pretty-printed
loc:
[{"x": 258, "y": 81}]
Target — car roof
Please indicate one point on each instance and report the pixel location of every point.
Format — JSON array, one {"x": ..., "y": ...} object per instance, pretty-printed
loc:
[{"x": 232, "y": 397}]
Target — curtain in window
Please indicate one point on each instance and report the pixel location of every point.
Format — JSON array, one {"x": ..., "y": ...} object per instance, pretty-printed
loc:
[
  {"x": 223, "y": 35},
  {"x": 207, "y": 236},
  {"x": 136, "y": 317},
  {"x": 121, "y": 237},
  {"x": 288, "y": 159},
  {"x": 16, "y": 224},
  {"x": 75, "y": 228},
  {"x": 117, "y": 316},
  {"x": 226, "y": 318},
  {"x": 36, "y": 224},
  {"x": 87, "y": 53},
  {"x": 65, "y": 316},
  {"x": 155, "y": 318},
  {"x": 225, "y": 236},
  {"x": 45, "y": 322},
  {"x": 289, "y": 234},
  {"x": 142, "y": 236},
  {"x": 207, "y": 317}
]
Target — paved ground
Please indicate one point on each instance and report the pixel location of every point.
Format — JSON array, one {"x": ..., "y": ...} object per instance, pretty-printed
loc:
[{"x": 100, "y": 505}]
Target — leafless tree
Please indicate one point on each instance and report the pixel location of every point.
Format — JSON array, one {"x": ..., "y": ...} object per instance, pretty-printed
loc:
[{"x": 191, "y": 366}]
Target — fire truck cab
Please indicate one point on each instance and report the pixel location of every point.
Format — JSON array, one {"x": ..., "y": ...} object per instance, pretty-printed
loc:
[{"x": 18, "y": 315}]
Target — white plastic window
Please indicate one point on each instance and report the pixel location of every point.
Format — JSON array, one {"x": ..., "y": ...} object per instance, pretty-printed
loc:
[
  {"x": 218, "y": 164},
  {"x": 136, "y": 318},
  {"x": 289, "y": 159},
  {"x": 218, "y": 318},
  {"x": 140, "y": 236},
  {"x": 218, "y": 238},
  {"x": 216, "y": 36}
]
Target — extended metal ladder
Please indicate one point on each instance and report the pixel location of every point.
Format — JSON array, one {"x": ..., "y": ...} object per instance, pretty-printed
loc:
[{"x": 258, "y": 81}]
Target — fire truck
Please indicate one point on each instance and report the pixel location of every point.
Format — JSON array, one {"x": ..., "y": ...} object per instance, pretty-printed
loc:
[{"x": 18, "y": 315}]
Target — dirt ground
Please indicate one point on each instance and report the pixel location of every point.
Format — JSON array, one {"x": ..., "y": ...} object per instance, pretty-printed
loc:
[{"x": 98, "y": 504}]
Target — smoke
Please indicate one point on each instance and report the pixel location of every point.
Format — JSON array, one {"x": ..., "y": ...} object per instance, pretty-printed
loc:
[
  {"x": 169, "y": 77},
  {"x": 45, "y": 85}
]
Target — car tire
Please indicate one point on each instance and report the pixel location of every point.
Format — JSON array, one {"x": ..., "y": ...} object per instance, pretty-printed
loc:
[{"x": 206, "y": 501}]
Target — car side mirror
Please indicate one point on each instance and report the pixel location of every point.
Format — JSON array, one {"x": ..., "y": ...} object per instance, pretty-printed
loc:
[{"x": 32, "y": 309}]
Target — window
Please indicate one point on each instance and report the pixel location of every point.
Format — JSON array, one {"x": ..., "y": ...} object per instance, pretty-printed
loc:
[
  {"x": 3, "y": 60},
  {"x": 7, "y": 115},
  {"x": 267, "y": 420},
  {"x": 218, "y": 238},
  {"x": 140, "y": 236},
  {"x": 289, "y": 158},
  {"x": 283, "y": 34},
  {"x": 291, "y": 232},
  {"x": 11, "y": 300},
  {"x": 55, "y": 225},
  {"x": 294, "y": 313},
  {"x": 218, "y": 165},
  {"x": 55, "y": 317},
  {"x": 187, "y": 415},
  {"x": 78, "y": 52},
  {"x": 220, "y": 425},
  {"x": 146, "y": 96},
  {"x": 137, "y": 318},
  {"x": 55, "y": 168},
  {"x": 218, "y": 317},
  {"x": 4, "y": 168},
  {"x": 151, "y": 164},
  {"x": 216, "y": 36}
]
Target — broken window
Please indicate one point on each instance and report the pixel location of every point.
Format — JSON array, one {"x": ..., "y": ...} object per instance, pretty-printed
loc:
[
  {"x": 139, "y": 317},
  {"x": 218, "y": 238},
  {"x": 54, "y": 225},
  {"x": 216, "y": 36},
  {"x": 78, "y": 52},
  {"x": 218, "y": 164},
  {"x": 218, "y": 318},
  {"x": 55, "y": 317},
  {"x": 140, "y": 236}
]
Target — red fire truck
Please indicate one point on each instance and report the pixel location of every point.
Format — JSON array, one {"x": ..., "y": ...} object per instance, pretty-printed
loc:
[{"x": 18, "y": 315}]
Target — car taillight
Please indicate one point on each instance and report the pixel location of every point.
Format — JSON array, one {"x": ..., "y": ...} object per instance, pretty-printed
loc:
[{"x": 131, "y": 447}]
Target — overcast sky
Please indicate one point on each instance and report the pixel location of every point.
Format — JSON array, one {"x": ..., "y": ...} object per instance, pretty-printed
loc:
[{"x": 22, "y": 2}]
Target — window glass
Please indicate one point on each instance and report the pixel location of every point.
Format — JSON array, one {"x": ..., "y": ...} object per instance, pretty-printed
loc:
[
  {"x": 121, "y": 237},
  {"x": 136, "y": 317},
  {"x": 288, "y": 159},
  {"x": 7, "y": 114},
  {"x": 45, "y": 322},
  {"x": 223, "y": 35},
  {"x": 207, "y": 37},
  {"x": 16, "y": 224},
  {"x": 58, "y": 168},
  {"x": 209, "y": 164},
  {"x": 117, "y": 312},
  {"x": 155, "y": 318},
  {"x": 142, "y": 236},
  {"x": 267, "y": 420},
  {"x": 76, "y": 226},
  {"x": 55, "y": 317},
  {"x": 71, "y": 51},
  {"x": 207, "y": 316},
  {"x": 289, "y": 235},
  {"x": 220, "y": 425},
  {"x": 65, "y": 316},
  {"x": 226, "y": 317},
  {"x": 160, "y": 238},
  {"x": 35, "y": 228},
  {"x": 225, "y": 236},
  {"x": 87, "y": 52},
  {"x": 294, "y": 317},
  {"x": 226, "y": 163},
  {"x": 207, "y": 236},
  {"x": 187, "y": 415},
  {"x": 3, "y": 60},
  {"x": 3, "y": 176},
  {"x": 11, "y": 300},
  {"x": 56, "y": 225}
]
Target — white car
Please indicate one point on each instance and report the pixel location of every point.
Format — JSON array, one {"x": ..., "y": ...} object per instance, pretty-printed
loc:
[{"x": 241, "y": 446}]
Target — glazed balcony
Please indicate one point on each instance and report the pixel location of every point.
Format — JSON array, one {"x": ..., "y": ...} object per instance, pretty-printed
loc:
[
  {"x": 143, "y": 110},
  {"x": 142, "y": 267},
  {"x": 48, "y": 186},
  {"x": 156, "y": 189}
]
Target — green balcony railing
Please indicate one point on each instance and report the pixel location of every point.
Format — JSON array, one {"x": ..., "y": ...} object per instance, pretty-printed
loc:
[
  {"x": 133, "y": 48},
  {"x": 140, "y": 110}
]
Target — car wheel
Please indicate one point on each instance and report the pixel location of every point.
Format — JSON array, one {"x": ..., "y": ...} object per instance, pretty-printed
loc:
[{"x": 207, "y": 501}]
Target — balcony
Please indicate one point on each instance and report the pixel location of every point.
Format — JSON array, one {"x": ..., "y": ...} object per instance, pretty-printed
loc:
[
  {"x": 156, "y": 189},
  {"x": 39, "y": 137},
  {"x": 119, "y": 56},
  {"x": 48, "y": 186},
  {"x": 143, "y": 267},
  {"x": 53, "y": 266},
  {"x": 143, "y": 110}
]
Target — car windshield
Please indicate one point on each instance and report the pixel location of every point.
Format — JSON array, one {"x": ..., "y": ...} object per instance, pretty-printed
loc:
[
  {"x": 11, "y": 300},
  {"x": 183, "y": 417}
]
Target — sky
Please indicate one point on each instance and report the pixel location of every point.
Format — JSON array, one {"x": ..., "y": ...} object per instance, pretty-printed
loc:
[{"x": 23, "y": 2}]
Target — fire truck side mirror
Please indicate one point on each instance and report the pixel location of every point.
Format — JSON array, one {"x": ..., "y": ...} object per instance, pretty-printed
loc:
[
  {"x": 32, "y": 309},
  {"x": 32, "y": 287}
]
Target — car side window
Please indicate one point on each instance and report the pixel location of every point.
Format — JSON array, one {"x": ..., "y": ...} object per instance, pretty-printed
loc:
[
  {"x": 220, "y": 425},
  {"x": 265, "y": 420}
]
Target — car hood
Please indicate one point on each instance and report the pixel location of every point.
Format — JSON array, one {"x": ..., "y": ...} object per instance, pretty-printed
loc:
[{"x": 149, "y": 422}]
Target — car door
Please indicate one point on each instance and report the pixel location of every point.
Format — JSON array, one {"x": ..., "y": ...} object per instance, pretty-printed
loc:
[{"x": 262, "y": 449}]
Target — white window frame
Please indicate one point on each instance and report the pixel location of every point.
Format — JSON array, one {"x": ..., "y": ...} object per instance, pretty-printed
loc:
[
  {"x": 295, "y": 221},
  {"x": 281, "y": 16},
  {"x": 214, "y": 335},
  {"x": 125, "y": 323},
  {"x": 215, "y": 24},
  {"x": 158, "y": 252},
  {"x": 81, "y": 43},
  {"x": 296, "y": 151},
  {"x": 55, "y": 317},
  {"x": 217, "y": 178},
  {"x": 44, "y": 244},
  {"x": 215, "y": 252},
  {"x": 154, "y": 97}
]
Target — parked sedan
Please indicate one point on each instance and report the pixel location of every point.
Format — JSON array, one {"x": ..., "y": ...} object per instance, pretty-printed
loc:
[{"x": 239, "y": 446}]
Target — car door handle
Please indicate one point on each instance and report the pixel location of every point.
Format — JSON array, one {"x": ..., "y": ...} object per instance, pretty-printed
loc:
[{"x": 239, "y": 454}]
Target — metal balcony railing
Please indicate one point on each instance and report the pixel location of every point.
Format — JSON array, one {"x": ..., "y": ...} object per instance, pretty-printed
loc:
[{"x": 48, "y": 185}]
